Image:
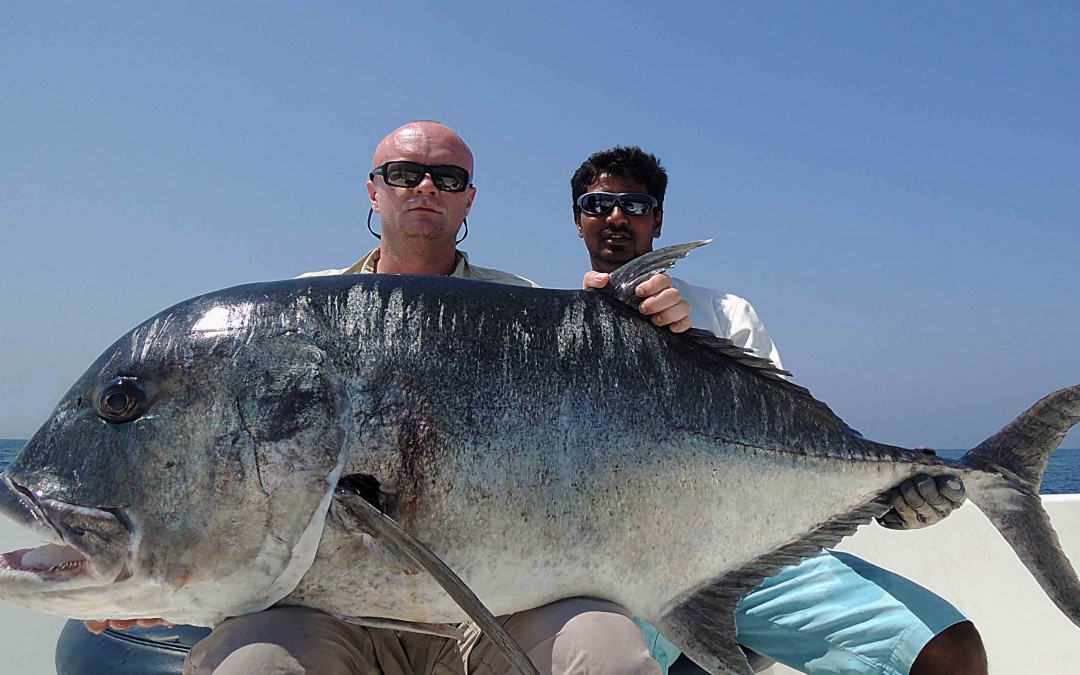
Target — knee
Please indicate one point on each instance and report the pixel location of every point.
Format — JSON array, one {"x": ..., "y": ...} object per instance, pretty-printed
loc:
[
  {"x": 273, "y": 641},
  {"x": 956, "y": 650},
  {"x": 258, "y": 657},
  {"x": 238, "y": 645},
  {"x": 601, "y": 637}
]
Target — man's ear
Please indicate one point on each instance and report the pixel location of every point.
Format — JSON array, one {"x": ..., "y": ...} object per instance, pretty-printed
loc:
[
  {"x": 577, "y": 221},
  {"x": 470, "y": 195},
  {"x": 658, "y": 223},
  {"x": 373, "y": 196}
]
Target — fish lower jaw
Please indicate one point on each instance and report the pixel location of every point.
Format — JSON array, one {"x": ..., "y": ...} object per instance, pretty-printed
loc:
[{"x": 50, "y": 563}]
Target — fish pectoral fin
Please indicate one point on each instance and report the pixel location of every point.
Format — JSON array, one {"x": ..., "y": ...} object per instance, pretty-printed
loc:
[
  {"x": 367, "y": 488},
  {"x": 391, "y": 556},
  {"x": 403, "y": 546}
]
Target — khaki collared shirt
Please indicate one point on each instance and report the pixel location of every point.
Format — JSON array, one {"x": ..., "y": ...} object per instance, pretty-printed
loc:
[{"x": 463, "y": 270}]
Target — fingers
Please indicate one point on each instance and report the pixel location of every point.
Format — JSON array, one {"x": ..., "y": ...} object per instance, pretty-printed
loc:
[
  {"x": 943, "y": 493},
  {"x": 98, "y": 627},
  {"x": 893, "y": 521},
  {"x": 663, "y": 304},
  {"x": 921, "y": 495},
  {"x": 923, "y": 500},
  {"x": 150, "y": 623},
  {"x": 902, "y": 516},
  {"x": 681, "y": 325},
  {"x": 595, "y": 279},
  {"x": 952, "y": 488},
  {"x": 122, "y": 624},
  {"x": 653, "y": 285},
  {"x": 666, "y": 309}
]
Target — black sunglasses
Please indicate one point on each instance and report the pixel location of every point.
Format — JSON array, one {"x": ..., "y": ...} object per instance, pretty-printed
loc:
[
  {"x": 632, "y": 203},
  {"x": 446, "y": 177}
]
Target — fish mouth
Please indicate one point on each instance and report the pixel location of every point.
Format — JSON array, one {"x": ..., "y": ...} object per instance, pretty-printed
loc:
[
  {"x": 84, "y": 546},
  {"x": 50, "y": 562}
]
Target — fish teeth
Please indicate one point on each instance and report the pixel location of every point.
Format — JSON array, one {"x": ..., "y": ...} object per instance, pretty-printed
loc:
[
  {"x": 52, "y": 557},
  {"x": 71, "y": 564}
]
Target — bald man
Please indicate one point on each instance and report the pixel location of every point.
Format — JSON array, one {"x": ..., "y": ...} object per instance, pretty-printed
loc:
[{"x": 421, "y": 187}]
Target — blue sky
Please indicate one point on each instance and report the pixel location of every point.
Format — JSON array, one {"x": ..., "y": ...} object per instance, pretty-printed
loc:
[{"x": 894, "y": 187}]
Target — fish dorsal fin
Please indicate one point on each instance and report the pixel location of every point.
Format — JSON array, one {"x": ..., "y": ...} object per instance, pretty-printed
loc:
[
  {"x": 707, "y": 347},
  {"x": 710, "y": 348},
  {"x": 624, "y": 281},
  {"x": 622, "y": 287},
  {"x": 702, "y": 621},
  {"x": 711, "y": 343}
]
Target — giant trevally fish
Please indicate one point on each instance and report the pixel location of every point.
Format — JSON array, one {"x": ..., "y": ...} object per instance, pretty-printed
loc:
[{"x": 544, "y": 444}]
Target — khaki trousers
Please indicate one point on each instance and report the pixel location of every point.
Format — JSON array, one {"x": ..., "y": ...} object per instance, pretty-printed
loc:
[{"x": 574, "y": 636}]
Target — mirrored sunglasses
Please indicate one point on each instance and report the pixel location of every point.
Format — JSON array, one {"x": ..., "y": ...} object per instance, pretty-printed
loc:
[
  {"x": 446, "y": 177},
  {"x": 601, "y": 203}
]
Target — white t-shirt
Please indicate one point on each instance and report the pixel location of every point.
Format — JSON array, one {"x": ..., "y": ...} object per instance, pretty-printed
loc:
[{"x": 728, "y": 316}]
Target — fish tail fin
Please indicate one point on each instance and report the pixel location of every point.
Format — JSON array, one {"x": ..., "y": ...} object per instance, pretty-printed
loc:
[
  {"x": 1016, "y": 457},
  {"x": 1022, "y": 449}
]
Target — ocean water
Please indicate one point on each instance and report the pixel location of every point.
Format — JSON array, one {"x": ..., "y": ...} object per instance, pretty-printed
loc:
[{"x": 1062, "y": 475}]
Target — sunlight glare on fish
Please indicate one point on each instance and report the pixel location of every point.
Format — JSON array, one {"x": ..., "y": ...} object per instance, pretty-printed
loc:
[{"x": 221, "y": 320}]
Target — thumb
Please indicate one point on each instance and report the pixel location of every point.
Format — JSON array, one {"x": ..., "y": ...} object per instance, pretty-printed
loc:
[{"x": 595, "y": 279}]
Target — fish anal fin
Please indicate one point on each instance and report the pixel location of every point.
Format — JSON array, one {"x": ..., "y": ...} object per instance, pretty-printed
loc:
[
  {"x": 703, "y": 627},
  {"x": 702, "y": 621}
]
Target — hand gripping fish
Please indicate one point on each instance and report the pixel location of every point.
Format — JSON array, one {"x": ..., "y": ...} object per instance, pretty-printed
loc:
[{"x": 192, "y": 473}]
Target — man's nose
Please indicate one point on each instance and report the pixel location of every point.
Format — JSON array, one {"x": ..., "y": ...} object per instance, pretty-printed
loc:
[
  {"x": 426, "y": 185},
  {"x": 617, "y": 216}
]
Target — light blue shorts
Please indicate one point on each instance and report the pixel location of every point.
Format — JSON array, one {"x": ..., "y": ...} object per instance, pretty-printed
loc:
[{"x": 834, "y": 614}]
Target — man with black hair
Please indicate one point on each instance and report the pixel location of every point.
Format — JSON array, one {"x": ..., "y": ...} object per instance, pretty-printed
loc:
[{"x": 834, "y": 613}]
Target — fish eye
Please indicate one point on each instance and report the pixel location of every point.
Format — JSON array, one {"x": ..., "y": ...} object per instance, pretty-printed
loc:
[{"x": 121, "y": 400}]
